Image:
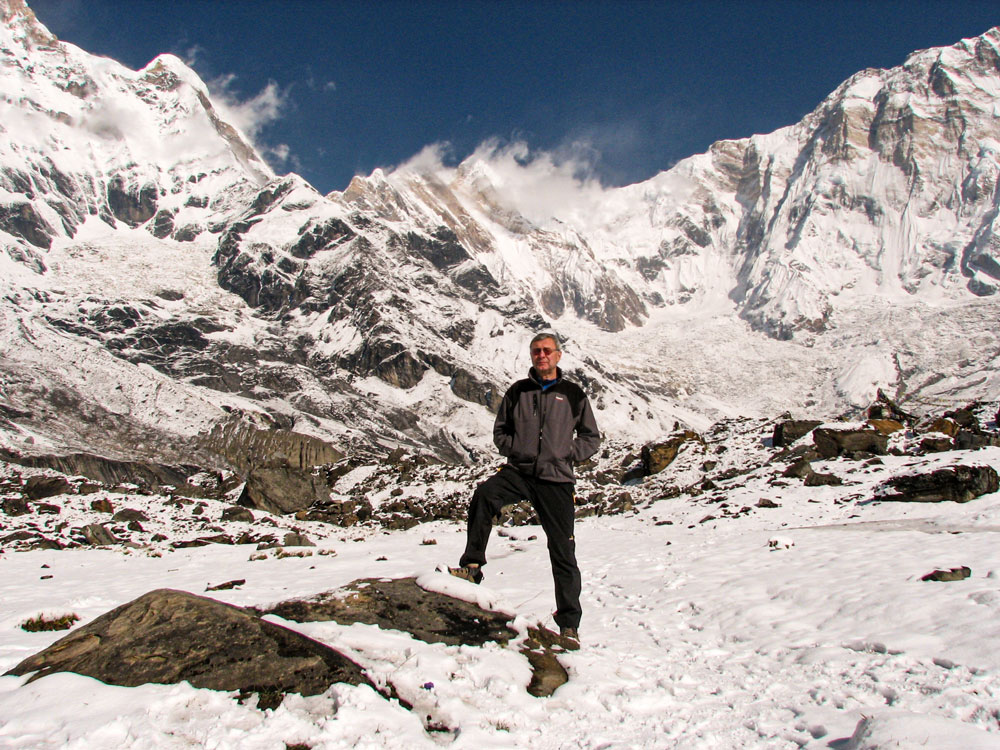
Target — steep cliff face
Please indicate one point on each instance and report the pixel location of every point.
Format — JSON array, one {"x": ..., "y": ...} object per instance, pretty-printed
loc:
[{"x": 161, "y": 286}]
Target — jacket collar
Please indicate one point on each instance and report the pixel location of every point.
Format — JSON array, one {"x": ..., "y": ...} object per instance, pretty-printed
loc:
[{"x": 536, "y": 378}]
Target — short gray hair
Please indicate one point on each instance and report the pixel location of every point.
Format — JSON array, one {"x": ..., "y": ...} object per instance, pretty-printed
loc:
[{"x": 546, "y": 335}]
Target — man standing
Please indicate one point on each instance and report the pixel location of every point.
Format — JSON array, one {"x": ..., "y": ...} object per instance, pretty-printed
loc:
[{"x": 543, "y": 426}]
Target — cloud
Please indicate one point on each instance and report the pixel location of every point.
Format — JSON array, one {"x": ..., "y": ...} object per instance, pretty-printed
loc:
[
  {"x": 546, "y": 187},
  {"x": 250, "y": 115}
]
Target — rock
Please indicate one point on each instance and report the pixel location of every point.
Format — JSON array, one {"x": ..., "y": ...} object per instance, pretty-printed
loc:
[
  {"x": 958, "y": 484},
  {"x": 283, "y": 489},
  {"x": 955, "y": 574},
  {"x": 799, "y": 469},
  {"x": 237, "y": 513},
  {"x": 295, "y": 539},
  {"x": 831, "y": 442},
  {"x": 942, "y": 425},
  {"x": 935, "y": 444},
  {"x": 885, "y": 408},
  {"x": 787, "y": 432},
  {"x": 168, "y": 636},
  {"x": 15, "y": 506},
  {"x": 227, "y": 585},
  {"x": 973, "y": 439},
  {"x": 400, "y": 604},
  {"x": 97, "y": 535},
  {"x": 658, "y": 456},
  {"x": 816, "y": 479},
  {"x": 39, "y": 487},
  {"x": 129, "y": 515},
  {"x": 886, "y": 426},
  {"x": 102, "y": 505}
]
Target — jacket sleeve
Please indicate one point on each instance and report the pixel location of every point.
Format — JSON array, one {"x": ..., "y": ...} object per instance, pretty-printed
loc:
[
  {"x": 588, "y": 437},
  {"x": 503, "y": 426}
]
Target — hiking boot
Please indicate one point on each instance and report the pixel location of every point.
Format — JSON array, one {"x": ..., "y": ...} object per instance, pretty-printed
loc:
[
  {"x": 471, "y": 573},
  {"x": 570, "y": 638}
]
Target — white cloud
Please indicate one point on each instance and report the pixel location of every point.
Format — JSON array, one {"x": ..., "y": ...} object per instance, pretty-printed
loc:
[
  {"x": 542, "y": 186},
  {"x": 252, "y": 114}
]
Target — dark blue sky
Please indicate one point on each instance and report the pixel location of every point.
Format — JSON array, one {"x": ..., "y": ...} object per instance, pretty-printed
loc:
[{"x": 633, "y": 86}]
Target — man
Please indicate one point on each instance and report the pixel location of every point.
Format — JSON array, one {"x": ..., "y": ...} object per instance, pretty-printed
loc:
[{"x": 543, "y": 426}]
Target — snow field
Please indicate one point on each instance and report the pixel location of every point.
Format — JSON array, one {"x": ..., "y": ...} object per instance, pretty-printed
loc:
[{"x": 695, "y": 635}]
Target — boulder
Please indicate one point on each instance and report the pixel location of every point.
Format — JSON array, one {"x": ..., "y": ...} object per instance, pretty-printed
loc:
[
  {"x": 97, "y": 535},
  {"x": 401, "y": 604},
  {"x": 237, "y": 513},
  {"x": 885, "y": 408},
  {"x": 787, "y": 432},
  {"x": 659, "y": 455},
  {"x": 886, "y": 426},
  {"x": 958, "y": 484},
  {"x": 168, "y": 636},
  {"x": 831, "y": 442},
  {"x": 954, "y": 574},
  {"x": 39, "y": 487},
  {"x": 283, "y": 489},
  {"x": 941, "y": 425},
  {"x": 973, "y": 439}
]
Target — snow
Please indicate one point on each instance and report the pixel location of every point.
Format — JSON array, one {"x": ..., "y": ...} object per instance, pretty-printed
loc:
[{"x": 804, "y": 625}]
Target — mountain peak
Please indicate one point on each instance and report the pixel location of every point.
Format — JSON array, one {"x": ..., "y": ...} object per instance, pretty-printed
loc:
[{"x": 26, "y": 28}]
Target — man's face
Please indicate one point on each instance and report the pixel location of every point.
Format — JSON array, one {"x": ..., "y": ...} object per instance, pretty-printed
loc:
[{"x": 544, "y": 357}]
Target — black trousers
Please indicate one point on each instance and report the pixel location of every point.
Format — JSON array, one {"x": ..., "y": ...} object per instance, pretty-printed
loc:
[{"x": 553, "y": 502}]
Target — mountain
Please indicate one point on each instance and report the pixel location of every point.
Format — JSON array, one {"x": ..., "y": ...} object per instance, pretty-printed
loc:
[{"x": 167, "y": 298}]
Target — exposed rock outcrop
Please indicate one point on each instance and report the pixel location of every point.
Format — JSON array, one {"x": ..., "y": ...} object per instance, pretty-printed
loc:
[
  {"x": 168, "y": 636},
  {"x": 958, "y": 484},
  {"x": 401, "y": 604}
]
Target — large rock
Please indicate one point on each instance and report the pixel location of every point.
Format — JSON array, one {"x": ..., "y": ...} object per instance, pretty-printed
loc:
[
  {"x": 959, "y": 484},
  {"x": 283, "y": 489},
  {"x": 832, "y": 442},
  {"x": 787, "y": 432},
  {"x": 659, "y": 455},
  {"x": 168, "y": 636},
  {"x": 401, "y": 604}
]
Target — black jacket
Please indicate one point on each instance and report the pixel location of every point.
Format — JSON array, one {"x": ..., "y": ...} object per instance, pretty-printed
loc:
[{"x": 543, "y": 432}]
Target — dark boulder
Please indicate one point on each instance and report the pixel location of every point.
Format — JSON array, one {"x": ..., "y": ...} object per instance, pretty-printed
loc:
[
  {"x": 831, "y": 442},
  {"x": 129, "y": 515},
  {"x": 401, "y": 604},
  {"x": 237, "y": 513},
  {"x": 39, "y": 487},
  {"x": 885, "y": 408},
  {"x": 168, "y": 636},
  {"x": 818, "y": 479},
  {"x": 958, "y": 484},
  {"x": 972, "y": 439},
  {"x": 787, "y": 432},
  {"x": 283, "y": 489},
  {"x": 954, "y": 574}
]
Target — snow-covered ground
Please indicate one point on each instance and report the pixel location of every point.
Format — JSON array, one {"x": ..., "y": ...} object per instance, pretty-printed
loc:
[{"x": 791, "y": 626}]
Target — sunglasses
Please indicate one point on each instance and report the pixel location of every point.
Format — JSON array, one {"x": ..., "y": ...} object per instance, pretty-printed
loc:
[{"x": 546, "y": 350}]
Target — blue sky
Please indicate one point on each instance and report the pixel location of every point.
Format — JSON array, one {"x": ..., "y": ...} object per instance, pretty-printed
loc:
[{"x": 333, "y": 89}]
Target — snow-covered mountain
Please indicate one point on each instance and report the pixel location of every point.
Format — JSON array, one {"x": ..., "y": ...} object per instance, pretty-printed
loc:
[{"x": 167, "y": 297}]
